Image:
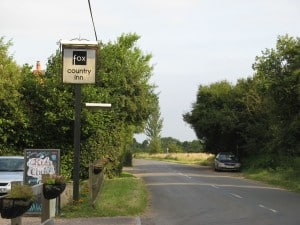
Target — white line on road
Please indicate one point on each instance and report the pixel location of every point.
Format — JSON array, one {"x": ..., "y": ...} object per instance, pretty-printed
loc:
[
  {"x": 215, "y": 186},
  {"x": 264, "y": 207},
  {"x": 185, "y": 175},
  {"x": 235, "y": 195}
]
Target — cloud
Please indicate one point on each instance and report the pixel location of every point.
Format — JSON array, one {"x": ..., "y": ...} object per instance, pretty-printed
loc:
[
  {"x": 171, "y": 12},
  {"x": 158, "y": 5}
]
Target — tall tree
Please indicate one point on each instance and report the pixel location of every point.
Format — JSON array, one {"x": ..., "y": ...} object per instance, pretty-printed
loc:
[
  {"x": 153, "y": 129},
  {"x": 278, "y": 71},
  {"x": 214, "y": 117},
  {"x": 259, "y": 115},
  {"x": 253, "y": 120},
  {"x": 12, "y": 118}
]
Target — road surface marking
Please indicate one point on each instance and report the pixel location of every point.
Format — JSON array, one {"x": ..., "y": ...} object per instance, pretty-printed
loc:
[
  {"x": 185, "y": 175},
  {"x": 235, "y": 195},
  {"x": 215, "y": 186},
  {"x": 264, "y": 207}
]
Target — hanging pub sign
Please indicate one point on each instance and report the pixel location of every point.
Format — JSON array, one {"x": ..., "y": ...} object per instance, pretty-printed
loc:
[{"x": 79, "y": 61}]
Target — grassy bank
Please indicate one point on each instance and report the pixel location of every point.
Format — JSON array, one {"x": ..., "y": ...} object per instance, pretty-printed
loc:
[
  {"x": 284, "y": 178},
  {"x": 123, "y": 196},
  {"x": 285, "y": 175}
]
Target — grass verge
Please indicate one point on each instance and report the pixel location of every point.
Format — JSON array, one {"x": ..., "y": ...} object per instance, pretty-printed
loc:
[
  {"x": 286, "y": 178},
  {"x": 122, "y": 196}
]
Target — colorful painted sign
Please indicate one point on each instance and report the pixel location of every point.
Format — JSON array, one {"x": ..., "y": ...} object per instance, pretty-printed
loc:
[{"x": 37, "y": 163}]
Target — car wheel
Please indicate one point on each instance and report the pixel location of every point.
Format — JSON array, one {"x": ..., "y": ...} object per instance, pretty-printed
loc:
[{"x": 216, "y": 168}]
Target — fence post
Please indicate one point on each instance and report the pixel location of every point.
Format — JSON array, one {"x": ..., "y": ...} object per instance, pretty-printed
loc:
[
  {"x": 18, "y": 220},
  {"x": 45, "y": 209},
  {"x": 96, "y": 178}
]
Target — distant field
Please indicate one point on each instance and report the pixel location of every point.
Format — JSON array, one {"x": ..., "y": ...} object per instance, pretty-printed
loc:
[{"x": 188, "y": 158}]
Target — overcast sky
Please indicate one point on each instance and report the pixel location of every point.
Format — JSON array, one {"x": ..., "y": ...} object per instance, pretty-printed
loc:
[{"x": 193, "y": 42}]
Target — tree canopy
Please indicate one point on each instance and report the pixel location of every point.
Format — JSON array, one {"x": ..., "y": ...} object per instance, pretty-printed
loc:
[
  {"x": 12, "y": 117},
  {"x": 259, "y": 114},
  {"x": 37, "y": 111}
]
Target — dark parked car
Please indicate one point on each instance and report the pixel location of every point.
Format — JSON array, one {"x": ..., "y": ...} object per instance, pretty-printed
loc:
[
  {"x": 227, "y": 161},
  {"x": 11, "y": 169}
]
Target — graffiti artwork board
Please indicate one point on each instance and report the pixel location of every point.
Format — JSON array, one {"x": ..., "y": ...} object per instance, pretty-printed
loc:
[{"x": 37, "y": 163}]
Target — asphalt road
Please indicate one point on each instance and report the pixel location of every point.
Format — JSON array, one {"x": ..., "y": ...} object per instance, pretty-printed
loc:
[{"x": 193, "y": 195}]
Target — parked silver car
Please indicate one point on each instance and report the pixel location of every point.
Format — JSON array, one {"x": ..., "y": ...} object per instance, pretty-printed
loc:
[
  {"x": 227, "y": 161},
  {"x": 11, "y": 169}
]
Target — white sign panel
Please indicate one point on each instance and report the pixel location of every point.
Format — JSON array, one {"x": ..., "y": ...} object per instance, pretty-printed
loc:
[{"x": 79, "y": 65}]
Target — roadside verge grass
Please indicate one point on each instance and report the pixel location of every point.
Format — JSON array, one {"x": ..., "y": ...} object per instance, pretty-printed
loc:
[
  {"x": 287, "y": 178},
  {"x": 276, "y": 178},
  {"x": 122, "y": 196}
]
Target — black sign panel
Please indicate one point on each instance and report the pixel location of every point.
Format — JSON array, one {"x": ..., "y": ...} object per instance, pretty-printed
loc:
[{"x": 79, "y": 58}]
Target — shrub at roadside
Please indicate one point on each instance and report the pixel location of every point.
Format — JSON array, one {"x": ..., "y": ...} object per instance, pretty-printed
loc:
[{"x": 285, "y": 174}]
